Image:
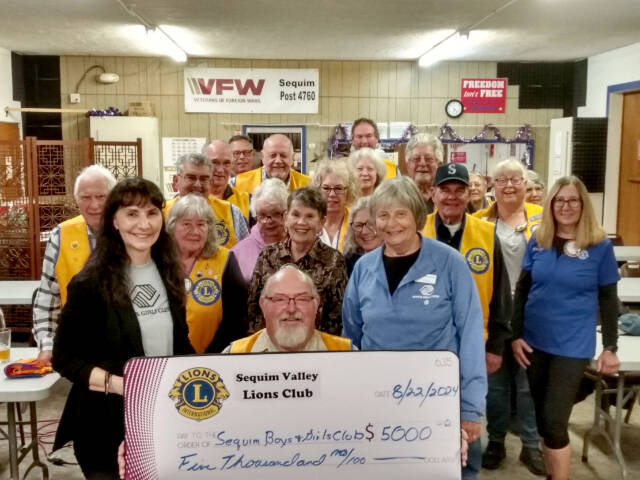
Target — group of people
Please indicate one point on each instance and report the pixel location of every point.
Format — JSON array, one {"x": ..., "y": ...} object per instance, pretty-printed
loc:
[{"x": 356, "y": 257}]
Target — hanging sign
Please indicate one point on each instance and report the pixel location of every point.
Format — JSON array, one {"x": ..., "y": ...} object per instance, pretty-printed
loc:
[
  {"x": 247, "y": 90},
  {"x": 483, "y": 95},
  {"x": 458, "y": 157}
]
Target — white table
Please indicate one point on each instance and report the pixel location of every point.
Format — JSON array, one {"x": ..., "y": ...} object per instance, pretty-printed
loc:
[
  {"x": 29, "y": 390},
  {"x": 629, "y": 289},
  {"x": 604, "y": 424},
  {"x": 17, "y": 292},
  {"x": 626, "y": 253}
]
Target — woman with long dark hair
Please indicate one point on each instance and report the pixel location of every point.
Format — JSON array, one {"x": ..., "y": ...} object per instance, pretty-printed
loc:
[{"x": 127, "y": 302}]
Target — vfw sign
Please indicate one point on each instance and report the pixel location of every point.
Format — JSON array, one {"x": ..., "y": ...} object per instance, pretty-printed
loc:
[{"x": 246, "y": 90}]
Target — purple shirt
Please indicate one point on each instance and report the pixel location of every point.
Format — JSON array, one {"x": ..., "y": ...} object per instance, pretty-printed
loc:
[{"x": 247, "y": 252}]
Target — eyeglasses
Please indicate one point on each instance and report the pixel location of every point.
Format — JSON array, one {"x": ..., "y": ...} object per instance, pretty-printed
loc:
[
  {"x": 282, "y": 301},
  {"x": 359, "y": 226},
  {"x": 189, "y": 178},
  {"x": 572, "y": 202},
  {"x": 422, "y": 158},
  {"x": 337, "y": 189},
  {"x": 274, "y": 217},
  {"x": 240, "y": 153},
  {"x": 502, "y": 181}
]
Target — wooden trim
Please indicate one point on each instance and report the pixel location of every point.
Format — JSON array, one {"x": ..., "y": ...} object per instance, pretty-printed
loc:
[{"x": 44, "y": 110}]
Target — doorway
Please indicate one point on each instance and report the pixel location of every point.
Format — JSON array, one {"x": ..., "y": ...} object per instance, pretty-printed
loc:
[{"x": 629, "y": 180}]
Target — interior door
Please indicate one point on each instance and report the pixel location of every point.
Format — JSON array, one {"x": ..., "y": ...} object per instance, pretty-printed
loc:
[{"x": 629, "y": 188}]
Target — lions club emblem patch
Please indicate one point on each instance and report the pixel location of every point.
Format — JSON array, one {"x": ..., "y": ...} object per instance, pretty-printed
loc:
[
  {"x": 206, "y": 291},
  {"x": 478, "y": 260},
  {"x": 198, "y": 393},
  {"x": 222, "y": 233}
]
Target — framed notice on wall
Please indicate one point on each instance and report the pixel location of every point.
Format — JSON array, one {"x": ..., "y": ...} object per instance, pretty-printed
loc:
[
  {"x": 247, "y": 90},
  {"x": 483, "y": 95}
]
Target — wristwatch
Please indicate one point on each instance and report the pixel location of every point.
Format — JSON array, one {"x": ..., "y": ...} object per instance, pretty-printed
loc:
[{"x": 611, "y": 348}]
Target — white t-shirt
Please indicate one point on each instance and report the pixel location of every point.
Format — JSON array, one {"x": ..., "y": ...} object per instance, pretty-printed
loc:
[{"x": 151, "y": 304}]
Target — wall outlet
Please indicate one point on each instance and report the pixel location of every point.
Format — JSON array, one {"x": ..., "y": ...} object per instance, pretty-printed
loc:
[{"x": 74, "y": 98}]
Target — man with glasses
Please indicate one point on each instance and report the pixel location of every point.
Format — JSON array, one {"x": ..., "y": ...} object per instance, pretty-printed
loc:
[
  {"x": 194, "y": 173},
  {"x": 290, "y": 303},
  {"x": 422, "y": 157},
  {"x": 364, "y": 133},
  {"x": 277, "y": 161},
  {"x": 476, "y": 241},
  {"x": 243, "y": 155},
  {"x": 219, "y": 153}
]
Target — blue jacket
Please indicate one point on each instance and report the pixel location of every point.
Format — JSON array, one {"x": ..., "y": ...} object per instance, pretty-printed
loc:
[{"x": 435, "y": 307}]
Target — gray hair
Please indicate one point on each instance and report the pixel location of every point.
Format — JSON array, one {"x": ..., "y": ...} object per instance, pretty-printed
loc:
[
  {"x": 94, "y": 171},
  {"x": 532, "y": 177},
  {"x": 272, "y": 189},
  {"x": 196, "y": 206},
  {"x": 479, "y": 175},
  {"x": 510, "y": 165},
  {"x": 425, "y": 140},
  {"x": 404, "y": 191},
  {"x": 374, "y": 157},
  {"x": 339, "y": 167},
  {"x": 289, "y": 267},
  {"x": 350, "y": 244},
  {"x": 194, "y": 158}
]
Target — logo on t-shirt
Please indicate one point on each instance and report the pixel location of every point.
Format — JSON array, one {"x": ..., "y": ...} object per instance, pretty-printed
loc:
[
  {"x": 198, "y": 393},
  {"x": 144, "y": 296}
]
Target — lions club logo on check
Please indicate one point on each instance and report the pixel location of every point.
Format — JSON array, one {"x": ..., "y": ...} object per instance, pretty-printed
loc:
[
  {"x": 198, "y": 393},
  {"x": 206, "y": 291},
  {"x": 478, "y": 260}
]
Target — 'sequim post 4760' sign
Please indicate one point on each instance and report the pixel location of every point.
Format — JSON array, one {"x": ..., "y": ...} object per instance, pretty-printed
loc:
[{"x": 246, "y": 90}]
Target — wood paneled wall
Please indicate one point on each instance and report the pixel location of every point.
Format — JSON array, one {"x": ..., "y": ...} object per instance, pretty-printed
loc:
[{"x": 384, "y": 91}]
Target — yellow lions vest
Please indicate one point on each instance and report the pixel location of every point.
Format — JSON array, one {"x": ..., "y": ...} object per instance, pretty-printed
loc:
[
  {"x": 477, "y": 247},
  {"x": 73, "y": 254},
  {"x": 224, "y": 220},
  {"x": 249, "y": 181},
  {"x": 241, "y": 200},
  {"x": 391, "y": 168},
  {"x": 534, "y": 217},
  {"x": 332, "y": 342},
  {"x": 204, "y": 299},
  {"x": 342, "y": 233}
]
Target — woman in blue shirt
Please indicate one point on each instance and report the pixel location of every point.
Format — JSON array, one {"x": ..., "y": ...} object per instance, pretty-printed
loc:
[
  {"x": 415, "y": 293},
  {"x": 569, "y": 273}
]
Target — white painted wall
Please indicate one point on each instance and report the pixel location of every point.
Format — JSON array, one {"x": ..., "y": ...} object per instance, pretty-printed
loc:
[
  {"x": 610, "y": 68},
  {"x": 6, "y": 90}
]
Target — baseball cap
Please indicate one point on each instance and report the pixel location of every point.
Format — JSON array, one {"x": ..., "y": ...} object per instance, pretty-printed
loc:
[{"x": 452, "y": 171}]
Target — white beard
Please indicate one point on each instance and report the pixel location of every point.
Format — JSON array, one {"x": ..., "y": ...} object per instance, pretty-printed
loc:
[{"x": 291, "y": 337}]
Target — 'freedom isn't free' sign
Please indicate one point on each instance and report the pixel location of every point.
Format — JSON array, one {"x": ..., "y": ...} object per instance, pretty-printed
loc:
[
  {"x": 483, "y": 95},
  {"x": 246, "y": 90}
]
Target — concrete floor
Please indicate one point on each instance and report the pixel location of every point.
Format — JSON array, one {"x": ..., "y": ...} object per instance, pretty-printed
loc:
[{"x": 601, "y": 466}]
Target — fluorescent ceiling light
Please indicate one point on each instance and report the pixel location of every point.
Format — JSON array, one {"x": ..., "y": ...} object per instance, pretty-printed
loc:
[
  {"x": 165, "y": 45},
  {"x": 444, "y": 49}
]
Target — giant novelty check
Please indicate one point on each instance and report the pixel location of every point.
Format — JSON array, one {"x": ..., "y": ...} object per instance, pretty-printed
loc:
[{"x": 338, "y": 415}]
